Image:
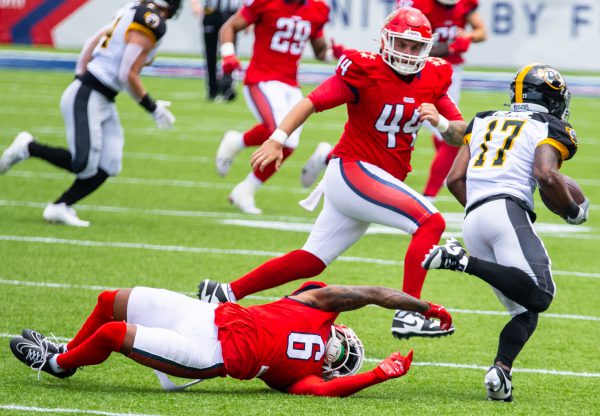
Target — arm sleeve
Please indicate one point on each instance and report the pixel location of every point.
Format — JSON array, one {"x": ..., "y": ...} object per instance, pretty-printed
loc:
[
  {"x": 337, "y": 387},
  {"x": 331, "y": 93},
  {"x": 448, "y": 108}
]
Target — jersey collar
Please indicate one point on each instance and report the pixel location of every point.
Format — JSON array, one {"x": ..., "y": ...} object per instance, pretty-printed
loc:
[{"x": 528, "y": 107}]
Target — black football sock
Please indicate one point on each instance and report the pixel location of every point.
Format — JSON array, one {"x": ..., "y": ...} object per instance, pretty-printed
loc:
[
  {"x": 514, "y": 336},
  {"x": 514, "y": 283},
  {"x": 82, "y": 188},
  {"x": 57, "y": 156}
]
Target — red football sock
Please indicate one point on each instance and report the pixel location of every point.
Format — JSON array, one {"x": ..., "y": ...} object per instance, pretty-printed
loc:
[
  {"x": 270, "y": 169},
  {"x": 442, "y": 162},
  {"x": 428, "y": 235},
  {"x": 257, "y": 135},
  {"x": 96, "y": 348},
  {"x": 298, "y": 264},
  {"x": 102, "y": 313}
]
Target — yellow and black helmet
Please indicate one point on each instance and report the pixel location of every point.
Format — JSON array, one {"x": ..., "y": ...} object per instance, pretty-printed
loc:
[
  {"x": 173, "y": 7},
  {"x": 542, "y": 85}
]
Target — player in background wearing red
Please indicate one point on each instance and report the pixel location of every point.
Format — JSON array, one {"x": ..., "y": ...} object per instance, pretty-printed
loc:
[
  {"x": 505, "y": 156},
  {"x": 388, "y": 96},
  {"x": 282, "y": 28},
  {"x": 292, "y": 344},
  {"x": 449, "y": 20}
]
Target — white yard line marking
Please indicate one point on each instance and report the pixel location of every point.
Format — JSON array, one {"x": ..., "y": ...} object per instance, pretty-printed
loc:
[
  {"x": 63, "y": 410},
  {"x": 13, "y": 282},
  {"x": 298, "y": 224},
  {"x": 155, "y": 247},
  {"x": 208, "y": 250},
  {"x": 156, "y": 182}
]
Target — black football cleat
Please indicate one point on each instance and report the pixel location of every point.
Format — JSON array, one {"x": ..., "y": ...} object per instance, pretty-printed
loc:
[{"x": 36, "y": 356}]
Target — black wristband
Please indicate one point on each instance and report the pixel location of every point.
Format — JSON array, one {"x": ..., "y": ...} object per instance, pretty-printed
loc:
[
  {"x": 148, "y": 103},
  {"x": 573, "y": 210}
]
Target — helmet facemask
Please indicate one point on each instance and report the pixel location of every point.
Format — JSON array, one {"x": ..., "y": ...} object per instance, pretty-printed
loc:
[
  {"x": 344, "y": 353},
  {"x": 406, "y": 40},
  {"x": 172, "y": 7},
  {"x": 448, "y": 2}
]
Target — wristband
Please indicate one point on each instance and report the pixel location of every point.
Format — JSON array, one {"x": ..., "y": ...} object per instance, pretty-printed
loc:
[
  {"x": 279, "y": 136},
  {"x": 227, "y": 49},
  {"x": 573, "y": 211},
  {"x": 443, "y": 124},
  {"x": 329, "y": 57},
  {"x": 148, "y": 103}
]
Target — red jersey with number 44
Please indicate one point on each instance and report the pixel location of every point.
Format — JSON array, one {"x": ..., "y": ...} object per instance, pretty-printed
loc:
[
  {"x": 280, "y": 342},
  {"x": 383, "y": 120},
  {"x": 446, "y": 21},
  {"x": 281, "y": 31}
]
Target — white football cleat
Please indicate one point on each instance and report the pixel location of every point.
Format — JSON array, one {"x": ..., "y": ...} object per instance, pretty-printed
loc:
[
  {"x": 315, "y": 164},
  {"x": 406, "y": 324},
  {"x": 230, "y": 146},
  {"x": 242, "y": 196},
  {"x": 498, "y": 384},
  {"x": 63, "y": 214},
  {"x": 16, "y": 152}
]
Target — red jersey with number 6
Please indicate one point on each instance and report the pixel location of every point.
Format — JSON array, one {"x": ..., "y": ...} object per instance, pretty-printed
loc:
[
  {"x": 281, "y": 30},
  {"x": 280, "y": 342},
  {"x": 383, "y": 120}
]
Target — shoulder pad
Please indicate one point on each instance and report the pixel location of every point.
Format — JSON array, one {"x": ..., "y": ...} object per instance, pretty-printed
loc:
[
  {"x": 353, "y": 66},
  {"x": 148, "y": 21},
  {"x": 563, "y": 136}
]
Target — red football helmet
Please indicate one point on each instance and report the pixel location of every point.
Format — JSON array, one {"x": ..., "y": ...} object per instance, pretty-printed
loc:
[{"x": 404, "y": 28}]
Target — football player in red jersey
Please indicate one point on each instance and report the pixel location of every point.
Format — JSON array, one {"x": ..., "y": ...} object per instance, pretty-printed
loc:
[
  {"x": 388, "y": 96},
  {"x": 449, "y": 20},
  {"x": 282, "y": 28},
  {"x": 292, "y": 344}
]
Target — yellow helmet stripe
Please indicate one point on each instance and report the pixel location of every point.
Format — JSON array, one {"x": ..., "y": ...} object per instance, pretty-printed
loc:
[{"x": 519, "y": 83}]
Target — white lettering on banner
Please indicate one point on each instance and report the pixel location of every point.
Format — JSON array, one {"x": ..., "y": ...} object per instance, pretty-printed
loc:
[
  {"x": 558, "y": 32},
  {"x": 12, "y": 4}
]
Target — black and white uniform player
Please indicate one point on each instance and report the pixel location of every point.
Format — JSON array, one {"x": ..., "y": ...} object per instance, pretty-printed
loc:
[
  {"x": 506, "y": 155},
  {"x": 109, "y": 63}
]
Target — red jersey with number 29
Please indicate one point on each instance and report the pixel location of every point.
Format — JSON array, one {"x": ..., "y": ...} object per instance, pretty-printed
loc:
[
  {"x": 383, "y": 120},
  {"x": 280, "y": 342},
  {"x": 281, "y": 31}
]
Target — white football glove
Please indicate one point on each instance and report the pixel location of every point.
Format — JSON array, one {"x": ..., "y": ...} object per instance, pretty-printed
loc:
[
  {"x": 582, "y": 216},
  {"x": 163, "y": 117}
]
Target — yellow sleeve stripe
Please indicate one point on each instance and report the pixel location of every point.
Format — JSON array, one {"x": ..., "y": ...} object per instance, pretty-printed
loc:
[
  {"x": 564, "y": 152},
  {"x": 143, "y": 29},
  {"x": 519, "y": 83},
  {"x": 467, "y": 138}
]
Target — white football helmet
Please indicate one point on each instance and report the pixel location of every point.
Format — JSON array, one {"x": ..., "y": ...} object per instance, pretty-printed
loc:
[
  {"x": 344, "y": 353},
  {"x": 406, "y": 24}
]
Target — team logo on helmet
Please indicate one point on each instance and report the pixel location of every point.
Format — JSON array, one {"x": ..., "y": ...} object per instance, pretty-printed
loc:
[
  {"x": 553, "y": 78},
  {"x": 152, "y": 20}
]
